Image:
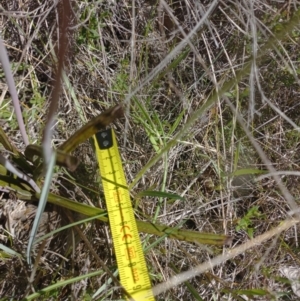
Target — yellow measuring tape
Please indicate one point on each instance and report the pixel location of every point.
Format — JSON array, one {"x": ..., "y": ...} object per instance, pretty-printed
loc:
[{"x": 128, "y": 249}]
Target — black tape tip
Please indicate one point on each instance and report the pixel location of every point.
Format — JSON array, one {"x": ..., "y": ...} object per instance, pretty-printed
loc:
[{"x": 104, "y": 139}]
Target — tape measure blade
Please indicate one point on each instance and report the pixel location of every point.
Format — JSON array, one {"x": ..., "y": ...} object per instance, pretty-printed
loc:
[{"x": 128, "y": 249}]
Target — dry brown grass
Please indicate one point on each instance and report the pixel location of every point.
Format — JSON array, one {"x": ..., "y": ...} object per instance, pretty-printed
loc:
[{"x": 110, "y": 57}]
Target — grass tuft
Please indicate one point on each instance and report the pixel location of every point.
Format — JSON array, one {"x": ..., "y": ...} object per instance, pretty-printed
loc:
[{"x": 210, "y": 145}]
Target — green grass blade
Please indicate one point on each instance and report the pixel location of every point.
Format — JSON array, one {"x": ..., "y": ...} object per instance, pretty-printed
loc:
[
  {"x": 86, "y": 220},
  {"x": 60, "y": 284},
  {"x": 9, "y": 251},
  {"x": 41, "y": 206},
  {"x": 159, "y": 194},
  {"x": 249, "y": 171}
]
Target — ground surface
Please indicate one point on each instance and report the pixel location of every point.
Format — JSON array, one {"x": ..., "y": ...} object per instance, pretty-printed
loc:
[{"x": 122, "y": 52}]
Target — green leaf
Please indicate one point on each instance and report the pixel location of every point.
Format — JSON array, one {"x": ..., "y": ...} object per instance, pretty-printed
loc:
[{"x": 249, "y": 171}]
